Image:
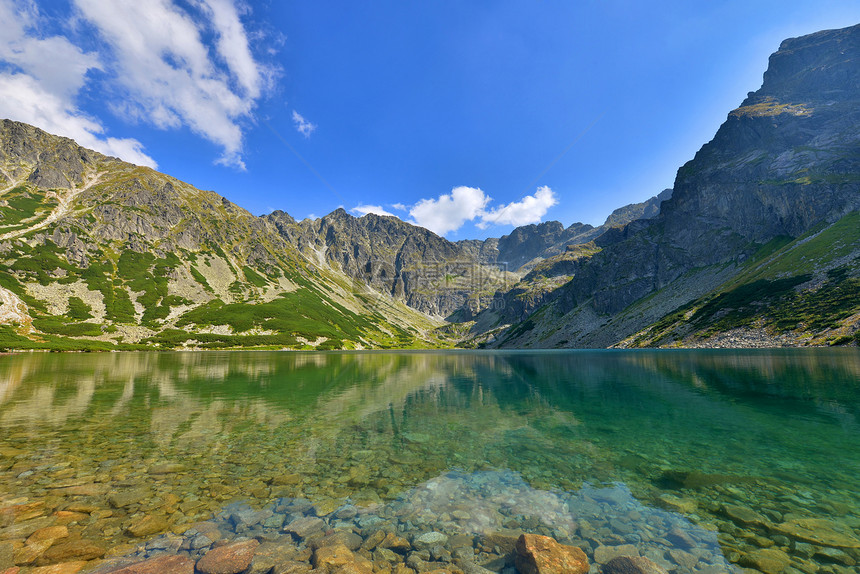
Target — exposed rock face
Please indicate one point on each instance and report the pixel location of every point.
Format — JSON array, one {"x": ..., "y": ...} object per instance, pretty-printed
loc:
[
  {"x": 783, "y": 162},
  {"x": 60, "y": 161},
  {"x": 410, "y": 263},
  {"x": 544, "y": 240},
  {"x": 645, "y": 210}
]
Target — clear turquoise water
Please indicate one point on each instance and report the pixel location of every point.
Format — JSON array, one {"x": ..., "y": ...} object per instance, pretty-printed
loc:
[{"x": 595, "y": 446}]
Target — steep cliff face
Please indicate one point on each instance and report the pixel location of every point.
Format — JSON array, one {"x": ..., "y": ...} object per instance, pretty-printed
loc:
[
  {"x": 786, "y": 160},
  {"x": 408, "y": 263}
]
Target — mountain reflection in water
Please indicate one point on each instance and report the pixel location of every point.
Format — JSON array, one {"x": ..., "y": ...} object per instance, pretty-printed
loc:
[{"x": 691, "y": 431}]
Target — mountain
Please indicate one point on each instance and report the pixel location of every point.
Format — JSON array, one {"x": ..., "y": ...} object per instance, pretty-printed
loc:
[
  {"x": 100, "y": 254},
  {"x": 757, "y": 243},
  {"x": 783, "y": 171}
]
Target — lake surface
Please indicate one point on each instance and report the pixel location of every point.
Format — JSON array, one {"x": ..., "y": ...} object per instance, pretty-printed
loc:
[{"x": 703, "y": 461}]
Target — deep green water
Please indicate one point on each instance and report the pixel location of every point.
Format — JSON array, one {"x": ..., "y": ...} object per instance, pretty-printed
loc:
[{"x": 686, "y": 435}]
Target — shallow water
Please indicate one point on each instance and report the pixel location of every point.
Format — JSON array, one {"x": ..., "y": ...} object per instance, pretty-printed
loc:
[{"x": 669, "y": 451}]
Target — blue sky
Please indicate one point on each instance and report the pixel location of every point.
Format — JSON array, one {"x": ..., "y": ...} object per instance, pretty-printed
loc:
[{"x": 466, "y": 117}]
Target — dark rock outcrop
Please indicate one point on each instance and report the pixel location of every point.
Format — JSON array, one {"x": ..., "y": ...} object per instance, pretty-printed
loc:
[{"x": 786, "y": 160}]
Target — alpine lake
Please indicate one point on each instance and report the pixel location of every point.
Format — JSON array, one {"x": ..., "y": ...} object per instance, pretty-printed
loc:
[{"x": 702, "y": 461}]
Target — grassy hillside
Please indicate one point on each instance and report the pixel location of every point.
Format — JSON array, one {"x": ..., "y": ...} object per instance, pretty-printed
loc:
[
  {"x": 804, "y": 291},
  {"x": 128, "y": 258}
]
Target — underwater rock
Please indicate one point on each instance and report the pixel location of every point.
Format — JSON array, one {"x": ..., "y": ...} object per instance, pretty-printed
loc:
[
  {"x": 429, "y": 539},
  {"x": 697, "y": 479},
  {"x": 72, "y": 551},
  {"x": 63, "y": 568},
  {"x": 147, "y": 526},
  {"x": 128, "y": 497},
  {"x": 305, "y": 526},
  {"x": 744, "y": 516},
  {"x": 632, "y": 565},
  {"x": 543, "y": 555},
  {"x": 767, "y": 560},
  {"x": 332, "y": 556},
  {"x": 817, "y": 531},
  {"x": 160, "y": 565},
  {"x": 604, "y": 554},
  {"x": 229, "y": 559}
]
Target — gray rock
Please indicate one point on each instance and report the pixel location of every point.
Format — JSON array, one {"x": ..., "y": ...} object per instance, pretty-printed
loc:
[
  {"x": 305, "y": 526},
  {"x": 632, "y": 565},
  {"x": 428, "y": 539}
]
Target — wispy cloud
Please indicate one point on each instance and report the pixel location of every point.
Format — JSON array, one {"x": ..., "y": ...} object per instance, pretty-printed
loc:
[
  {"x": 529, "y": 209},
  {"x": 163, "y": 63},
  {"x": 170, "y": 77},
  {"x": 361, "y": 210},
  {"x": 399, "y": 207},
  {"x": 303, "y": 126},
  {"x": 40, "y": 77}
]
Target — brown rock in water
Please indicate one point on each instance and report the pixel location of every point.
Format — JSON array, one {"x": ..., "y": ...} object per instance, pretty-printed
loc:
[
  {"x": 767, "y": 560},
  {"x": 744, "y": 516},
  {"x": 147, "y": 526},
  {"x": 72, "y": 551},
  {"x": 229, "y": 559},
  {"x": 349, "y": 539},
  {"x": 504, "y": 540},
  {"x": 543, "y": 555},
  {"x": 28, "y": 553},
  {"x": 632, "y": 565},
  {"x": 332, "y": 556},
  {"x": 128, "y": 497},
  {"x": 395, "y": 543},
  {"x": 21, "y": 512},
  {"x": 280, "y": 556},
  {"x": 603, "y": 554},
  {"x": 817, "y": 531},
  {"x": 359, "y": 566},
  {"x": 305, "y": 526},
  {"x": 67, "y": 517},
  {"x": 64, "y": 568},
  {"x": 160, "y": 565}
]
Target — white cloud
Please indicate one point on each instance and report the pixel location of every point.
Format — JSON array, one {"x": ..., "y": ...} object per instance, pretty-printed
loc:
[
  {"x": 529, "y": 209},
  {"x": 42, "y": 77},
  {"x": 23, "y": 99},
  {"x": 168, "y": 74},
  {"x": 233, "y": 45},
  {"x": 399, "y": 207},
  {"x": 361, "y": 210},
  {"x": 450, "y": 211},
  {"x": 303, "y": 126}
]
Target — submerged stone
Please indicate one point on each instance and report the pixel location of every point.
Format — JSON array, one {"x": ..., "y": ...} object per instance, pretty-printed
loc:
[
  {"x": 160, "y": 565},
  {"x": 744, "y": 516},
  {"x": 63, "y": 568},
  {"x": 817, "y": 531},
  {"x": 604, "y": 554},
  {"x": 72, "y": 551},
  {"x": 767, "y": 560},
  {"x": 147, "y": 526},
  {"x": 229, "y": 559},
  {"x": 538, "y": 554},
  {"x": 429, "y": 539},
  {"x": 632, "y": 565}
]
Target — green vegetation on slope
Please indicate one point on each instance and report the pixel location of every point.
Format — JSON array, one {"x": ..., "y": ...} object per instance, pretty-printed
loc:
[{"x": 769, "y": 292}]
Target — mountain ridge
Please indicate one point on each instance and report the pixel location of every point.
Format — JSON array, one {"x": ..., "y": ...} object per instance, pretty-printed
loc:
[{"x": 99, "y": 254}]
